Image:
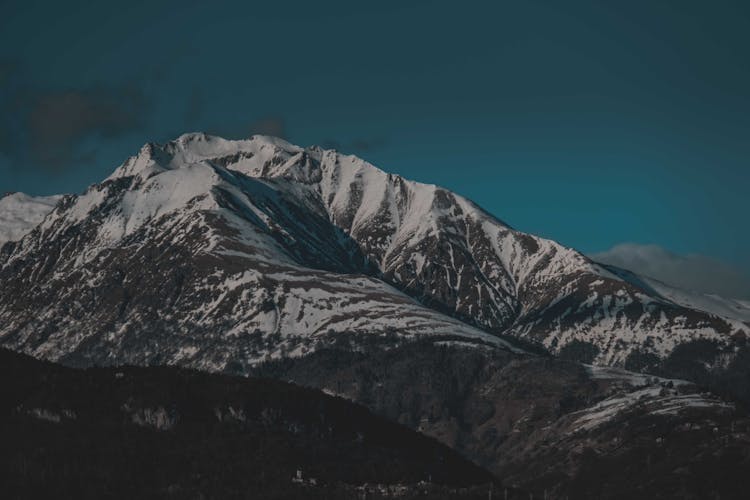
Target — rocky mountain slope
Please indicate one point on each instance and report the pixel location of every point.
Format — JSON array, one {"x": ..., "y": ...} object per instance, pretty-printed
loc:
[
  {"x": 206, "y": 252},
  {"x": 554, "y": 428}
]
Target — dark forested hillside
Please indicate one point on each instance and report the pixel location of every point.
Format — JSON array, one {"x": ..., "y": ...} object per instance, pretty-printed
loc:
[{"x": 173, "y": 433}]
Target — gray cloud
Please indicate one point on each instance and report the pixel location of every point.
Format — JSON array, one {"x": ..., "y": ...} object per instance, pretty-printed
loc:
[
  {"x": 59, "y": 121},
  {"x": 356, "y": 146},
  {"x": 269, "y": 125},
  {"x": 693, "y": 272},
  {"x": 273, "y": 125},
  {"x": 364, "y": 145},
  {"x": 48, "y": 127}
]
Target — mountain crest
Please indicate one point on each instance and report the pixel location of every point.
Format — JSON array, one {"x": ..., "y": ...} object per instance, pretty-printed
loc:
[{"x": 228, "y": 238}]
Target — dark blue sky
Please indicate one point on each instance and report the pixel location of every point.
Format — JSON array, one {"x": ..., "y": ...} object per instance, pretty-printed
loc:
[{"x": 593, "y": 123}]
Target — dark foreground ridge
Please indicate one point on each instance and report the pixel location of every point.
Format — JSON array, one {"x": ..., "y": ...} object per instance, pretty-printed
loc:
[{"x": 165, "y": 432}]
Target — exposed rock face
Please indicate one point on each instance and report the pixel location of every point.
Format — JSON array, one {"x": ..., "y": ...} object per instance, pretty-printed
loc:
[{"x": 206, "y": 252}]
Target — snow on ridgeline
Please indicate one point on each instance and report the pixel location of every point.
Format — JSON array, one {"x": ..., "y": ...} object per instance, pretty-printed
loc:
[{"x": 433, "y": 261}]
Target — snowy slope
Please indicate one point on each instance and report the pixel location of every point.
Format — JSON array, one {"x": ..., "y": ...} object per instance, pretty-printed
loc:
[
  {"x": 19, "y": 213},
  {"x": 205, "y": 251},
  {"x": 180, "y": 260}
]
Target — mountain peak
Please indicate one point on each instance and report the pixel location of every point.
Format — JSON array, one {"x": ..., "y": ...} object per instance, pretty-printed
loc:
[{"x": 197, "y": 147}]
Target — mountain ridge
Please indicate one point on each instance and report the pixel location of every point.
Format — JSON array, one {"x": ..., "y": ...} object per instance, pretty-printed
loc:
[{"x": 288, "y": 232}]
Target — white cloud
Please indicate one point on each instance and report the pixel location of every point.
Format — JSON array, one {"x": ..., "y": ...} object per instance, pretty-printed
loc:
[{"x": 691, "y": 272}]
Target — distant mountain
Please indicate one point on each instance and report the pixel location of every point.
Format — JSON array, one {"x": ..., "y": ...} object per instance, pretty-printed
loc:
[
  {"x": 699, "y": 274},
  {"x": 691, "y": 299},
  {"x": 218, "y": 254},
  {"x": 20, "y": 213},
  {"x": 171, "y": 433}
]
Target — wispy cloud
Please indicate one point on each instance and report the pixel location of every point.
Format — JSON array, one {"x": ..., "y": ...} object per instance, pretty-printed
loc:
[
  {"x": 274, "y": 125},
  {"x": 269, "y": 125},
  {"x": 693, "y": 272},
  {"x": 48, "y": 127},
  {"x": 357, "y": 146},
  {"x": 59, "y": 121}
]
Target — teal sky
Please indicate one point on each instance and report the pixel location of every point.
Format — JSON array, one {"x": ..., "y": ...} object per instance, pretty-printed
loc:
[{"x": 592, "y": 123}]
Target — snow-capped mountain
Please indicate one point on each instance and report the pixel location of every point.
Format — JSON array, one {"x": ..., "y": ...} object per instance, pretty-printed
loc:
[
  {"x": 208, "y": 252},
  {"x": 19, "y": 213}
]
